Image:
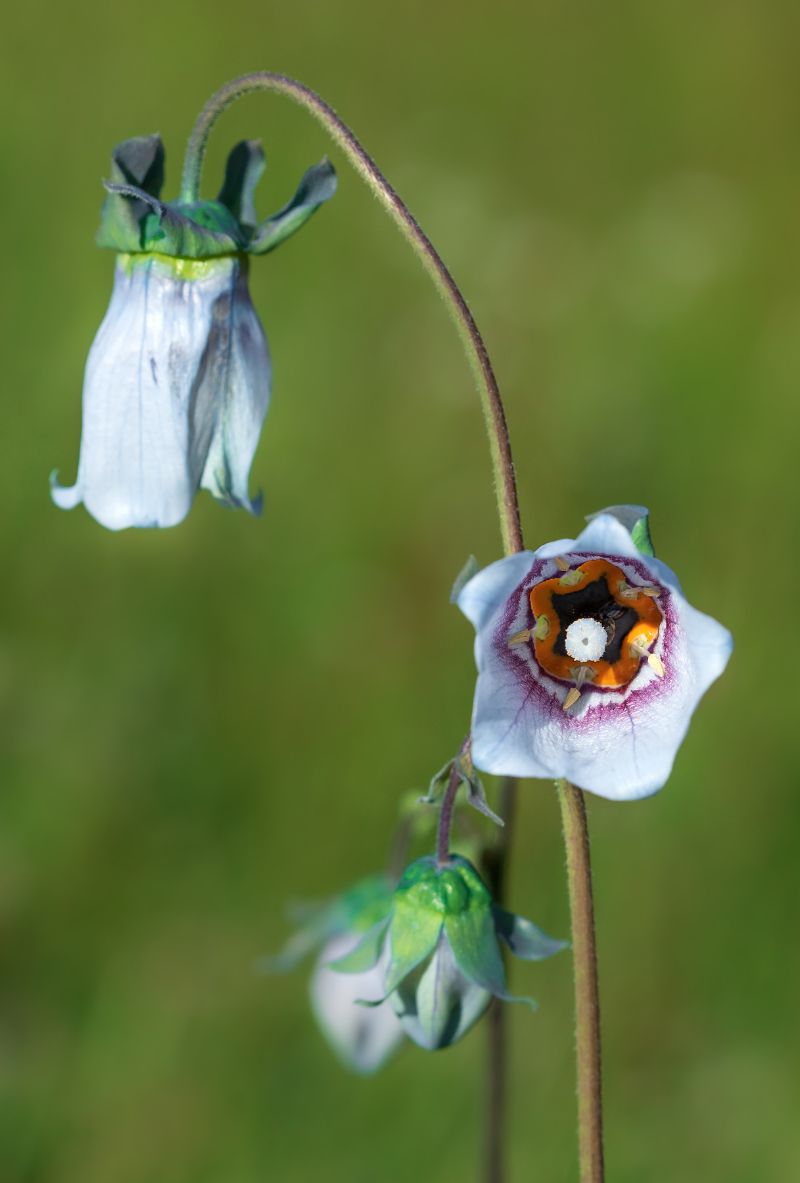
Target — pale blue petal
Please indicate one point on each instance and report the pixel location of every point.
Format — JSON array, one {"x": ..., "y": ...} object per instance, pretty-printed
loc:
[
  {"x": 240, "y": 415},
  {"x": 65, "y": 496},
  {"x": 363, "y": 1037},
  {"x": 441, "y": 1005},
  {"x": 157, "y": 386},
  {"x": 482, "y": 596}
]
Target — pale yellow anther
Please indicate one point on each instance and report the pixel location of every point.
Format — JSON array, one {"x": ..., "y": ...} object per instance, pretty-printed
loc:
[
  {"x": 626, "y": 591},
  {"x": 638, "y": 648},
  {"x": 562, "y": 564},
  {"x": 520, "y": 638},
  {"x": 571, "y": 699},
  {"x": 656, "y": 664},
  {"x": 651, "y": 591},
  {"x": 542, "y": 630},
  {"x": 571, "y": 578}
]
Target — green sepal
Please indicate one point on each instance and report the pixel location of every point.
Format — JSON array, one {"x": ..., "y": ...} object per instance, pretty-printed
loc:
[
  {"x": 317, "y": 185},
  {"x": 194, "y": 230},
  {"x": 641, "y": 537},
  {"x": 471, "y": 932},
  {"x": 366, "y": 953},
  {"x": 356, "y": 910},
  {"x": 465, "y": 769},
  {"x": 417, "y": 917},
  {"x": 138, "y": 162},
  {"x": 523, "y": 937},
  {"x": 243, "y": 170},
  {"x": 467, "y": 572},
  {"x": 635, "y": 519}
]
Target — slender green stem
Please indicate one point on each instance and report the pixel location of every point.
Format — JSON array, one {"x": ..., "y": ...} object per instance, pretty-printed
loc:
[
  {"x": 587, "y": 999},
  {"x": 471, "y": 339},
  {"x": 495, "y": 862}
]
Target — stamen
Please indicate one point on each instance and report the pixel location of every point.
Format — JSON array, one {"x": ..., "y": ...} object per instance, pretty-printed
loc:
[
  {"x": 639, "y": 648},
  {"x": 562, "y": 564},
  {"x": 581, "y": 674},
  {"x": 571, "y": 699},
  {"x": 542, "y": 629},
  {"x": 626, "y": 591},
  {"x": 520, "y": 638},
  {"x": 651, "y": 591},
  {"x": 586, "y": 639},
  {"x": 571, "y": 578}
]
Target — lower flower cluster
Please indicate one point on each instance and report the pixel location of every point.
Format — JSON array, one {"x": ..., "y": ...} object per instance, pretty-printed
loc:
[{"x": 427, "y": 967}]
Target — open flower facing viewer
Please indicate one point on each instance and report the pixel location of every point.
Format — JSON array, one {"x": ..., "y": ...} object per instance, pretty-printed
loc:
[
  {"x": 590, "y": 660},
  {"x": 177, "y": 380}
]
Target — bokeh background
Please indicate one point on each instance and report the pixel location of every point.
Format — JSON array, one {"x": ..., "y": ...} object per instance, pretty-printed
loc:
[{"x": 201, "y": 723}]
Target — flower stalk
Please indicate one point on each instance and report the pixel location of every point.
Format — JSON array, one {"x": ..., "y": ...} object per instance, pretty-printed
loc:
[
  {"x": 587, "y": 1000},
  {"x": 500, "y": 448},
  {"x": 511, "y": 533}
]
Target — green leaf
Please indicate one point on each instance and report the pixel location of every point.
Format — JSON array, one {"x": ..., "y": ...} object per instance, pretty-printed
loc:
[
  {"x": 467, "y": 572},
  {"x": 366, "y": 953},
  {"x": 243, "y": 171},
  {"x": 318, "y": 185},
  {"x": 523, "y": 938}
]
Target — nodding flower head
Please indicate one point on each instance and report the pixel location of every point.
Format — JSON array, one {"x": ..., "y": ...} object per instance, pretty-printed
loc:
[
  {"x": 177, "y": 380},
  {"x": 439, "y": 948},
  {"x": 362, "y": 1037},
  {"x": 590, "y": 660}
]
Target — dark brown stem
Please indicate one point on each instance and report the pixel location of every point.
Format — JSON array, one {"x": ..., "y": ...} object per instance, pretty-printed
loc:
[
  {"x": 471, "y": 339},
  {"x": 587, "y": 999},
  {"x": 495, "y": 863}
]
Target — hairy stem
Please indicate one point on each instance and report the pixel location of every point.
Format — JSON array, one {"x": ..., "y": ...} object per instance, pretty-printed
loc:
[
  {"x": 446, "y": 818},
  {"x": 587, "y": 1000},
  {"x": 495, "y": 862},
  {"x": 471, "y": 339}
]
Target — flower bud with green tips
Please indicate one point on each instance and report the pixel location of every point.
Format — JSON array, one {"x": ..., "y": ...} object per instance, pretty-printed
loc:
[
  {"x": 362, "y": 1037},
  {"x": 441, "y": 952},
  {"x": 178, "y": 378}
]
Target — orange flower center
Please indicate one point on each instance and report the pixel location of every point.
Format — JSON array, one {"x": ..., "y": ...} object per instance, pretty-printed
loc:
[{"x": 594, "y": 591}]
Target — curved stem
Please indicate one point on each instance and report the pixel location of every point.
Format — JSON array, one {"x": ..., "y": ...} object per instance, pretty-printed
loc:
[
  {"x": 587, "y": 999},
  {"x": 505, "y": 486}
]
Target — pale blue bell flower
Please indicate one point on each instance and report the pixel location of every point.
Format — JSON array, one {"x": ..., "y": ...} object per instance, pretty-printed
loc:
[
  {"x": 557, "y": 696},
  {"x": 177, "y": 380},
  {"x": 176, "y": 388}
]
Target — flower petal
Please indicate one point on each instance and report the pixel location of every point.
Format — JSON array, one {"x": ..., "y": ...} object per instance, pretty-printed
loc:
[
  {"x": 243, "y": 406},
  {"x": 179, "y": 366},
  {"x": 524, "y": 938},
  {"x": 363, "y": 1037},
  {"x": 438, "y": 1006}
]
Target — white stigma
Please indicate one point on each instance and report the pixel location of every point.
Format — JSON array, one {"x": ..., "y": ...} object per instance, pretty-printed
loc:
[{"x": 586, "y": 640}]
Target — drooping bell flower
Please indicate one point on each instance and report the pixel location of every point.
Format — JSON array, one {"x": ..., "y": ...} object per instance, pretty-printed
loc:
[
  {"x": 590, "y": 660},
  {"x": 362, "y": 1037},
  {"x": 177, "y": 380},
  {"x": 439, "y": 950}
]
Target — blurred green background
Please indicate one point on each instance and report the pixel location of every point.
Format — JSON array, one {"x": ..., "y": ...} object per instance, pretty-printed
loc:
[{"x": 200, "y": 723}]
